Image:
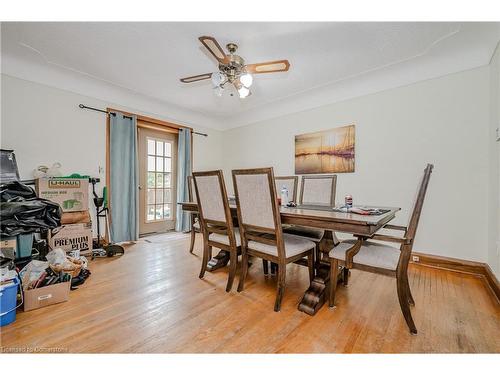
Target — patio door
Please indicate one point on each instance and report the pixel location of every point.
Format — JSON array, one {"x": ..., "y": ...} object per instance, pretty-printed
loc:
[{"x": 157, "y": 181}]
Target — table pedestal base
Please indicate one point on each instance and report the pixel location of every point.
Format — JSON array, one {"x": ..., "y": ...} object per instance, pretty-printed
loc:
[
  {"x": 316, "y": 295},
  {"x": 218, "y": 261}
]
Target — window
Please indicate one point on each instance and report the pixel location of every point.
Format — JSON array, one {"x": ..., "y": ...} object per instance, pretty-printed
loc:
[{"x": 159, "y": 178}]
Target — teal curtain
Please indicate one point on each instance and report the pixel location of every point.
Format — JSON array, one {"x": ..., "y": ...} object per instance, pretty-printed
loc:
[
  {"x": 124, "y": 175},
  {"x": 182, "y": 223}
]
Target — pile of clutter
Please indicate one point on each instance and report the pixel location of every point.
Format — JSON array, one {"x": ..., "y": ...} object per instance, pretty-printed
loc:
[
  {"x": 44, "y": 237},
  {"x": 49, "y": 282}
]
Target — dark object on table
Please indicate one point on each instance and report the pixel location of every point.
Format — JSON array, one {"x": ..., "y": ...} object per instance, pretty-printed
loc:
[
  {"x": 22, "y": 212},
  {"x": 8, "y": 166},
  {"x": 361, "y": 210}
]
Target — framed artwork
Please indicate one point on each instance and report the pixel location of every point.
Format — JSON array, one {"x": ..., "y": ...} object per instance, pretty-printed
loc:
[{"x": 328, "y": 151}]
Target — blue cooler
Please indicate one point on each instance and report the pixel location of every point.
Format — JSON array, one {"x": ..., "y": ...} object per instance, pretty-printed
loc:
[{"x": 8, "y": 301}]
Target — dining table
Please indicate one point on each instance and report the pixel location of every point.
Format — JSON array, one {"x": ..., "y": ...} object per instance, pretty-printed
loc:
[{"x": 319, "y": 217}]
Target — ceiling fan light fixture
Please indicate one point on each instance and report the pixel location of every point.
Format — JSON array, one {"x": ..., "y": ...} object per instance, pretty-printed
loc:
[
  {"x": 243, "y": 92},
  {"x": 218, "y": 91},
  {"x": 218, "y": 79},
  {"x": 246, "y": 79}
]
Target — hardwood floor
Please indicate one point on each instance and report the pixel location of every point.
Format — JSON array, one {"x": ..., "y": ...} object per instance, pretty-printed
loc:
[{"x": 151, "y": 300}]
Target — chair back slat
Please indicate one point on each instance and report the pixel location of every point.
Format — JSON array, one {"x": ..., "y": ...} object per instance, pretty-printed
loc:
[
  {"x": 290, "y": 182},
  {"x": 191, "y": 190},
  {"x": 318, "y": 190},
  {"x": 419, "y": 202}
]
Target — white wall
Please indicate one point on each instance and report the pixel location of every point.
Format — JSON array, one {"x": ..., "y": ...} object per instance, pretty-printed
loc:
[
  {"x": 494, "y": 167},
  {"x": 443, "y": 121},
  {"x": 446, "y": 121},
  {"x": 44, "y": 125}
]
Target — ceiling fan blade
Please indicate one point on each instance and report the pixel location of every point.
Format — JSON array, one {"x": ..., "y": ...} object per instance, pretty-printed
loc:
[
  {"x": 214, "y": 48},
  {"x": 268, "y": 67},
  {"x": 197, "y": 78}
]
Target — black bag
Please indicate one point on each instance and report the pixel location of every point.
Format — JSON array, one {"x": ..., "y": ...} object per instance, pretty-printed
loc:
[{"x": 22, "y": 212}]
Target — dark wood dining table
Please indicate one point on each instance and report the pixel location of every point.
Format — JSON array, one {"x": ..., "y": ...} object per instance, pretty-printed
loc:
[{"x": 362, "y": 226}]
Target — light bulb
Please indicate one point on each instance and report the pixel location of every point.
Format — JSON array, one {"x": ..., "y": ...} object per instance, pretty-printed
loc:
[
  {"x": 218, "y": 91},
  {"x": 243, "y": 91},
  {"x": 246, "y": 80},
  {"x": 218, "y": 78}
]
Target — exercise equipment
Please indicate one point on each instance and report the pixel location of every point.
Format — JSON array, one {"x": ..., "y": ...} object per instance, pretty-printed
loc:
[{"x": 102, "y": 248}]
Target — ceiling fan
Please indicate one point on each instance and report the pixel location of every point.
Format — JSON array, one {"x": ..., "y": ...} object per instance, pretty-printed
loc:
[{"x": 233, "y": 70}]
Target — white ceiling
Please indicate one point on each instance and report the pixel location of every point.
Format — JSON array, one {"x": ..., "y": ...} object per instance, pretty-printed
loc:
[{"x": 329, "y": 61}]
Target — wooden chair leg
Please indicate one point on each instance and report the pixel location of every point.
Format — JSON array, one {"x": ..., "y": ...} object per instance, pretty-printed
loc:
[
  {"x": 265, "y": 265},
  {"x": 207, "y": 254},
  {"x": 233, "y": 262},
  {"x": 411, "y": 301},
  {"x": 244, "y": 269},
  {"x": 345, "y": 276},
  {"x": 281, "y": 287},
  {"x": 405, "y": 306},
  {"x": 334, "y": 275},
  {"x": 193, "y": 238},
  {"x": 310, "y": 265}
]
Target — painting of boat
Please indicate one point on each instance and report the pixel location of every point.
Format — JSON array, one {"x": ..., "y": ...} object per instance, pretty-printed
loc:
[{"x": 328, "y": 151}]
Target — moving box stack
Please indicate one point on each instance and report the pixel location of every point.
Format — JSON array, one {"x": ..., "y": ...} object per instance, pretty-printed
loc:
[{"x": 72, "y": 194}]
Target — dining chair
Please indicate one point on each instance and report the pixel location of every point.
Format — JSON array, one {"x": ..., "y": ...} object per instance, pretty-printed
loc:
[
  {"x": 216, "y": 221},
  {"x": 375, "y": 257},
  {"x": 315, "y": 191},
  {"x": 290, "y": 182},
  {"x": 260, "y": 227},
  {"x": 195, "y": 225}
]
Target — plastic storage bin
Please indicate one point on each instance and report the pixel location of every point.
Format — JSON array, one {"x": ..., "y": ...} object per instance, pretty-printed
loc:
[
  {"x": 24, "y": 245},
  {"x": 8, "y": 300}
]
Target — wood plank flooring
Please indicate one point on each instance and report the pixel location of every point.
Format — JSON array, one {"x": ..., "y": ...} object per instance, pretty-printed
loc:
[{"x": 151, "y": 300}]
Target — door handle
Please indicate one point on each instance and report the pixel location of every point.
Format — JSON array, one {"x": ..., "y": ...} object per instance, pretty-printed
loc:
[{"x": 140, "y": 187}]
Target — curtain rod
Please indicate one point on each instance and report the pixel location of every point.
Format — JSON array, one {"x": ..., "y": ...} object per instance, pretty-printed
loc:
[{"x": 114, "y": 114}]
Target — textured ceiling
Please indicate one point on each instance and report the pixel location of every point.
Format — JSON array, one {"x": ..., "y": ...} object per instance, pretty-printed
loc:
[{"x": 149, "y": 58}]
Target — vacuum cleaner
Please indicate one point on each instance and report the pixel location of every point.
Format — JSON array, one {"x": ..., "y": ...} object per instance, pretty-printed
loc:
[{"x": 102, "y": 248}]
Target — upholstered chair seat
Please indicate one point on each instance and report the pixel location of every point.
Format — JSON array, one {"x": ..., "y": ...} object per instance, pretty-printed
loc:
[
  {"x": 312, "y": 234},
  {"x": 293, "y": 245},
  {"x": 222, "y": 238},
  {"x": 371, "y": 254}
]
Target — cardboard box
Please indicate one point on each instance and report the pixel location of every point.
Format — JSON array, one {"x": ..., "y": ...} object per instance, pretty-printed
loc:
[
  {"x": 72, "y": 237},
  {"x": 8, "y": 247},
  {"x": 19, "y": 246},
  {"x": 77, "y": 217},
  {"x": 46, "y": 296},
  {"x": 72, "y": 194}
]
